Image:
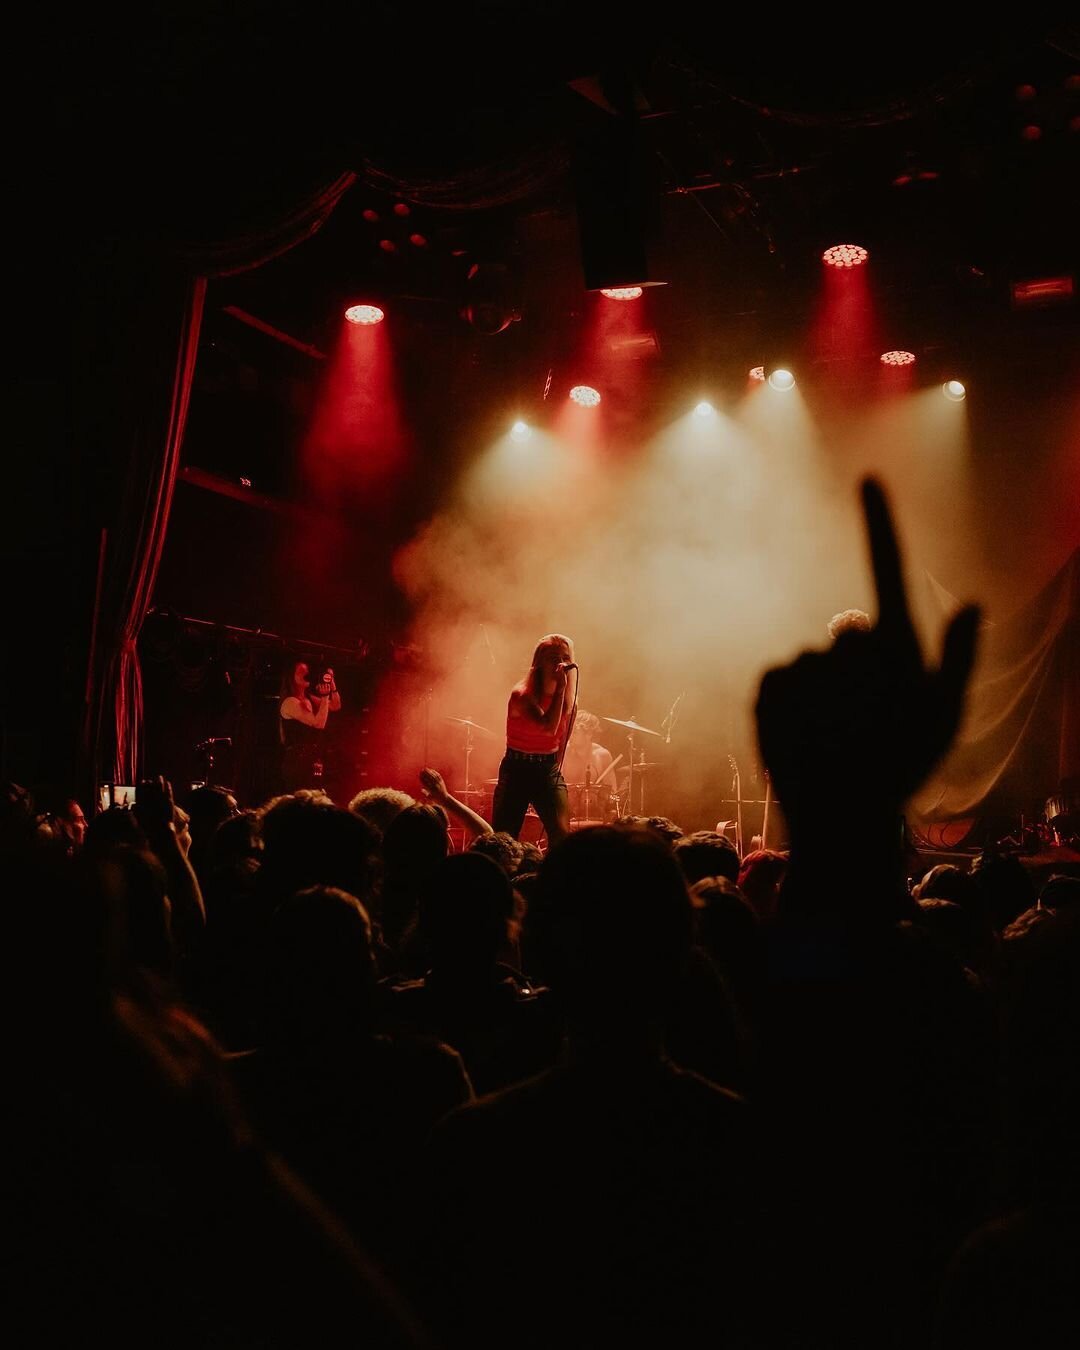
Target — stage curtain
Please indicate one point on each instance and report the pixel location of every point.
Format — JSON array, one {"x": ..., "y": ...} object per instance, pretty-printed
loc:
[
  {"x": 156, "y": 307},
  {"x": 1020, "y": 740}
]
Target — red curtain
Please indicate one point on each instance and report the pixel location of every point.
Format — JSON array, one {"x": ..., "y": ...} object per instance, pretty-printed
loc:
[{"x": 155, "y": 342}]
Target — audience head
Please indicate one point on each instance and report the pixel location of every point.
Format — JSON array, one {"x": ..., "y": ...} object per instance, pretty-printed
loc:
[
  {"x": 465, "y": 914},
  {"x": 947, "y": 882},
  {"x": 613, "y": 928},
  {"x": 208, "y": 807},
  {"x": 760, "y": 878},
  {"x": 236, "y": 841},
  {"x": 531, "y": 858},
  {"x": 1060, "y": 893},
  {"x": 705, "y": 853},
  {"x": 502, "y": 848},
  {"x": 726, "y": 927},
  {"x": 379, "y": 805},
  {"x": 307, "y": 841},
  {"x": 319, "y": 972},
  {"x": 416, "y": 841},
  {"x": 129, "y": 886},
  {"x": 952, "y": 926},
  {"x": 849, "y": 621},
  {"x": 17, "y": 816},
  {"x": 661, "y": 826},
  {"x": 65, "y": 818},
  {"x": 116, "y": 826},
  {"x": 1004, "y": 885}
]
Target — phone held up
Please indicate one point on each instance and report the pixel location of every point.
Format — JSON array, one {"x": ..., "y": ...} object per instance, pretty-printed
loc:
[{"x": 119, "y": 795}]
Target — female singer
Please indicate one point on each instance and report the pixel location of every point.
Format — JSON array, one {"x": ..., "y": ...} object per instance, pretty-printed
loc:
[{"x": 539, "y": 719}]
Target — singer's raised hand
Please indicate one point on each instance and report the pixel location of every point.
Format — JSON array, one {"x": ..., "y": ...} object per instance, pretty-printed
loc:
[{"x": 854, "y": 730}]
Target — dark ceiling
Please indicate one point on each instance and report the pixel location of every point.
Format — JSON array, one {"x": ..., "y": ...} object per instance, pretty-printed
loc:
[{"x": 750, "y": 142}]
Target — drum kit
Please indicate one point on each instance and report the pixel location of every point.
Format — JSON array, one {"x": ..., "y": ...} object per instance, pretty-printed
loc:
[
  {"x": 470, "y": 726},
  {"x": 638, "y": 767}
]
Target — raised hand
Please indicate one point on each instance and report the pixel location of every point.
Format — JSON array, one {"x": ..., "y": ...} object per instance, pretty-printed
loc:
[
  {"x": 154, "y": 807},
  {"x": 434, "y": 785},
  {"x": 854, "y": 730}
]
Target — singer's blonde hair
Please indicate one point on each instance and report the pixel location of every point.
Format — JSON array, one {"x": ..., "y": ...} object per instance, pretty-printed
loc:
[
  {"x": 552, "y": 642},
  {"x": 547, "y": 644}
]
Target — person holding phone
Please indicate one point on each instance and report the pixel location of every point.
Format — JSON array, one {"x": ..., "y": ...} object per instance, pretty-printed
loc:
[
  {"x": 539, "y": 720},
  {"x": 303, "y": 713}
]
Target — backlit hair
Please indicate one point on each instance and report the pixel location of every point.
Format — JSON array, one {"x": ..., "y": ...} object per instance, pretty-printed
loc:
[{"x": 847, "y": 621}]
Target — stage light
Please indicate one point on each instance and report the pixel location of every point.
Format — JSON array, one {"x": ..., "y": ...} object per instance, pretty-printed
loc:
[
  {"x": 388, "y": 245},
  {"x": 400, "y": 209},
  {"x": 520, "y": 431},
  {"x": 954, "y": 391},
  {"x": 585, "y": 396},
  {"x": 758, "y": 373},
  {"x": 418, "y": 241},
  {"x": 370, "y": 216},
  {"x": 781, "y": 380},
  {"x": 844, "y": 255},
  {"x": 897, "y": 358},
  {"x": 364, "y": 314},
  {"x": 622, "y": 292},
  {"x": 704, "y": 409}
]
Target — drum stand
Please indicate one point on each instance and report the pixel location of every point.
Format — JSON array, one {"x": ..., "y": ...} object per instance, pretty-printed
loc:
[
  {"x": 637, "y": 774},
  {"x": 468, "y": 756}
]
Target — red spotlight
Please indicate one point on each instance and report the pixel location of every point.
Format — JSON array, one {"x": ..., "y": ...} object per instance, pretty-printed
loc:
[
  {"x": 400, "y": 209},
  {"x": 622, "y": 292},
  {"x": 585, "y": 396},
  {"x": 844, "y": 255},
  {"x": 365, "y": 314},
  {"x": 897, "y": 358},
  {"x": 1032, "y": 133},
  {"x": 418, "y": 241},
  {"x": 370, "y": 216},
  {"x": 758, "y": 373}
]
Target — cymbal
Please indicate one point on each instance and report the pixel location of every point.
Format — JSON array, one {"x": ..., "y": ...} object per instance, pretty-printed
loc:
[
  {"x": 467, "y": 722},
  {"x": 633, "y": 726},
  {"x": 653, "y": 764}
]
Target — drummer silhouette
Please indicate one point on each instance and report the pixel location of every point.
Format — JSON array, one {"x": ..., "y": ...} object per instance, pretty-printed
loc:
[{"x": 584, "y": 765}]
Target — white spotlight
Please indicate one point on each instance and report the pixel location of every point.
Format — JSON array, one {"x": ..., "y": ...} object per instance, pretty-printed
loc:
[
  {"x": 704, "y": 409},
  {"x": 954, "y": 391},
  {"x": 520, "y": 431},
  {"x": 782, "y": 380}
]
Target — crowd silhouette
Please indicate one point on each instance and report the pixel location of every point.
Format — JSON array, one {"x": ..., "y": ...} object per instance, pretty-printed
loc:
[{"x": 301, "y": 1073}]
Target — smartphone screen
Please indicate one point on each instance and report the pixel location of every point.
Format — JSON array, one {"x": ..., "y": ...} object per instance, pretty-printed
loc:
[
  {"x": 104, "y": 796},
  {"x": 123, "y": 796}
]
